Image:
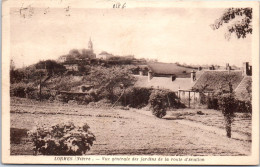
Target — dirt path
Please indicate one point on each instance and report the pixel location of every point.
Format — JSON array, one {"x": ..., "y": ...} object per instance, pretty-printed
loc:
[
  {"x": 190, "y": 135},
  {"x": 213, "y": 129}
]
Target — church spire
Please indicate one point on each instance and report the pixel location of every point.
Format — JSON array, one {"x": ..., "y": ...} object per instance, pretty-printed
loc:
[{"x": 90, "y": 44}]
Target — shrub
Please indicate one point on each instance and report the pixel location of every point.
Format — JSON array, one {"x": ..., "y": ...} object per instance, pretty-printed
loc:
[
  {"x": 158, "y": 103},
  {"x": 173, "y": 100},
  {"x": 95, "y": 94},
  {"x": 244, "y": 106},
  {"x": 16, "y": 75},
  {"x": 136, "y": 97},
  {"x": 212, "y": 102},
  {"x": 62, "y": 139},
  {"x": 45, "y": 95},
  {"x": 63, "y": 98},
  {"x": 160, "y": 100},
  {"x": 203, "y": 99},
  {"x": 18, "y": 90},
  {"x": 21, "y": 89},
  {"x": 32, "y": 94},
  {"x": 84, "y": 99}
]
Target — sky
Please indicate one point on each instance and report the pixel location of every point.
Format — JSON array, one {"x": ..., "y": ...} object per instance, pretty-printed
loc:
[{"x": 170, "y": 35}]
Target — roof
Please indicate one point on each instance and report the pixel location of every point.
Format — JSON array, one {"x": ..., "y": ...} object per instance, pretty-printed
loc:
[
  {"x": 164, "y": 83},
  {"x": 213, "y": 80},
  {"x": 170, "y": 69},
  {"x": 105, "y": 53},
  {"x": 242, "y": 90}
]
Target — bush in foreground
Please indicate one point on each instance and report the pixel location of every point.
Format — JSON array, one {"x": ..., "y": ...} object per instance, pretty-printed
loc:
[{"x": 62, "y": 139}]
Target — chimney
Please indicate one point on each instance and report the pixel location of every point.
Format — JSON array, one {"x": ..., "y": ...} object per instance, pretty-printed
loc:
[
  {"x": 245, "y": 69},
  {"x": 173, "y": 77},
  {"x": 250, "y": 70},
  {"x": 150, "y": 76},
  {"x": 193, "y": 76}
]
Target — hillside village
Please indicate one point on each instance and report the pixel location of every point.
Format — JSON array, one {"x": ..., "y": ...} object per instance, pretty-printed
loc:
[
  {"x": 188, "y": 82},
  {"x": 185, "y": 81}
]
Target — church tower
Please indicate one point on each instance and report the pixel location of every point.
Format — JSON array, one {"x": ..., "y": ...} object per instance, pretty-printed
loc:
[{"x": 90, "y": 45}]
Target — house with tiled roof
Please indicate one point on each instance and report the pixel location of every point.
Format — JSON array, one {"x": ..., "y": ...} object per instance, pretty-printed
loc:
[
  {"x": 237, "y": 80},
  {"x": 164, "y": 83},
  {"x": 169, "y": 69},
  {"x": 166, "y": 76},
  {"x": 213, "y": 80},
  {"x": 243, "y": 89},
  {"x": 191, "y": 83}
]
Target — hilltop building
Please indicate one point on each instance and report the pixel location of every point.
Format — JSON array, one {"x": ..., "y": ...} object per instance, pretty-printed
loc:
[
  {"x": 78, "y": 55},
  {"x": 62, "y": 59},
  {"x": 104, "y": 55}
]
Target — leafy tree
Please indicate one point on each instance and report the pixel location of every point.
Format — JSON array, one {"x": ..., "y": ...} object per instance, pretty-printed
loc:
[
  {"x": 227, "y": 105},
  {"x": 74, "y": 52},
  {"x": 51, "y": 66},
  {"x": 111, "y": 80},
  {"x": 86, "y": 53},
  {"x": 241, "y": 26}
]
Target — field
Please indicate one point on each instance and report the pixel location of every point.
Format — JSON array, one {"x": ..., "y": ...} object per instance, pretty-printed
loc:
[{"x": 135, "y": 132}]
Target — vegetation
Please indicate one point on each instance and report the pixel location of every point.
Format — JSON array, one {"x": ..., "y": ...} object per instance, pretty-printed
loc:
[
  {"x": 227, "y": 105},
  {"x": 62, "y": 139},
  {"x": 136, "y": 97},
  {"x": 80, "y": 54},
  {"x": 242, "y": 25},
  {"x": 51, "y": 66},
  {"x": 158, "y": 103},
  {"x": 111, "y": 82},
  {"x": 161, "y": 100}
]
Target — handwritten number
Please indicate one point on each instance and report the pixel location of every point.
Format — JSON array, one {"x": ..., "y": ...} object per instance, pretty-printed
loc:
[
  {"x": 123, "y": 6},
  {"x": 118, "y": 5}
]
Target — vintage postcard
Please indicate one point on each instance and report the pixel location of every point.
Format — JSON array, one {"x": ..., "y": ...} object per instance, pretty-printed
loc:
[{"x": 130, "y": 82}]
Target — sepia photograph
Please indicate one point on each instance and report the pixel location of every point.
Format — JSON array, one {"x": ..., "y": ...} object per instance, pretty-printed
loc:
[{"x": 120, "y": 82}]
